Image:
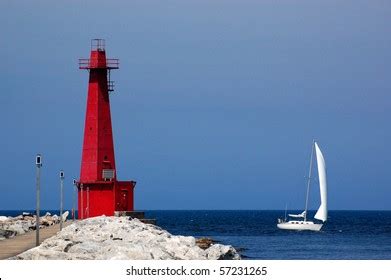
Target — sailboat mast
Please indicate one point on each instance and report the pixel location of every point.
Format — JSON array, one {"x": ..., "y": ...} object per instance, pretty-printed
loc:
[
  {"x": 309, "y": 181},
  {"x": 286, "y": 209}
]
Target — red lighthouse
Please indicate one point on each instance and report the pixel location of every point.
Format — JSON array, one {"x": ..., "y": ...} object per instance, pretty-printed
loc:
[{"x": 99, "y": 191}]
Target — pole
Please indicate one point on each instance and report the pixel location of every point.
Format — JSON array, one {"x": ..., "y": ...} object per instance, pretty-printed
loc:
[
  {"x": 286, "y": 209},
  {"x": 61, "y": 196},
  {"x": 74, "y": 199},
  {"x": 38, "y": 163},
  {"x": 81, "y": 201}
]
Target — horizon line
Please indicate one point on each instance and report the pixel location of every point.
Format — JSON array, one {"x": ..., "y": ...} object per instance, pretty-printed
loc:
[{"x": 33, "y": 210}]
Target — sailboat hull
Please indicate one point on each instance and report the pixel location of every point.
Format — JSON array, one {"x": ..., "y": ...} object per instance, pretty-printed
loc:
[{"x": 299, "y": 225}]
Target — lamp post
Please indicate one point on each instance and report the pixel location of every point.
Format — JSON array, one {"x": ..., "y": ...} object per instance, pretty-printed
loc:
[
  {"x": 38, "y": 163},
  {"x": 61, "y": 195},
  {"x": 81, "y": 202}
]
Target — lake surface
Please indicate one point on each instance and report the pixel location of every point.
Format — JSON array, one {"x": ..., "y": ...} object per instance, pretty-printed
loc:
[{"x": 346, "y": 235}]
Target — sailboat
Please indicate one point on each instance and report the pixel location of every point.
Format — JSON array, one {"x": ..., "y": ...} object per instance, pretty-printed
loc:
[{"x": 301, "y": 222}]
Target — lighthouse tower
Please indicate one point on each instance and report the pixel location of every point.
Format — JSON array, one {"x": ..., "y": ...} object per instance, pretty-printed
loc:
[{"x": 99, "y": 191}]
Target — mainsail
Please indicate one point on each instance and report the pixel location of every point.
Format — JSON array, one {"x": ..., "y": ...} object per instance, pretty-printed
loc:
[{"x": 321, "y": 214}]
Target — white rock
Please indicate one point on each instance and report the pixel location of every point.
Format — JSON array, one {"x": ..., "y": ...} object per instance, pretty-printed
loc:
[
  {"x": 3, "y": 218},
  {"x": 46, "y": 221},
  {"x": 17, "y": 228},
  {"x": 118, "y": 238},
  {"x": 65, "y": 216},
  {"x": 222, "y": 252},
  {"x": 24, "y": 223},
  {"x": 6, "y": 234},
  {"x": 27, "y": 225}
]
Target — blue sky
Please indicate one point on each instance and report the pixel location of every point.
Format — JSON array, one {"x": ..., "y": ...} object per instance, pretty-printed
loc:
[{"x": 216, "y": 102}]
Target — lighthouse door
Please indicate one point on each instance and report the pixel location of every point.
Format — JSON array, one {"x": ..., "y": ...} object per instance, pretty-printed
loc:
[{"x": 123, "y": 204}]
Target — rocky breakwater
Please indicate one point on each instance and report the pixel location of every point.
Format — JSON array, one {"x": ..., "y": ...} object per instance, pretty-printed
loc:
[
  {"x": 118, "y": 238},
  {"x": 12, "y": 226}
]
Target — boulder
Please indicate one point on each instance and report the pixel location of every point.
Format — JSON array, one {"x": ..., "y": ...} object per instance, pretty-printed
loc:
[
  {"x": 3, "y": 219},
  {"x": 222, "y": 252},
  {"x": 65, "y": 216},
  {"x": 6, "y": 233},
  {"x": 56, "y": 219},
  {"x": 29, "y": 218},
  {"x": 205, "y": 242},
  {"x": 118, "y": 238},
  {"x": 17, "y": 228},
  {"x": 24, "y": 223},
  {"x": 46, "y": 221}
]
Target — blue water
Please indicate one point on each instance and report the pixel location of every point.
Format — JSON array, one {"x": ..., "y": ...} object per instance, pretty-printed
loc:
[{"x": 346, "y": 235}]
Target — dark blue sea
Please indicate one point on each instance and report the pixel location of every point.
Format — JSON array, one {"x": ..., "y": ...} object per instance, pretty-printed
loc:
[{"x": 346, "y": 235}]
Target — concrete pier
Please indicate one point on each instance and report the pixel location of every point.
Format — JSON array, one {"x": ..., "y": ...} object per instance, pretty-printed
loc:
[{"x": 20, "y": 243}]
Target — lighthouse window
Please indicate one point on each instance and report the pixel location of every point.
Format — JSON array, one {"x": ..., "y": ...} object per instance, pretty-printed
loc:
[{"x": 105, "y": 158}]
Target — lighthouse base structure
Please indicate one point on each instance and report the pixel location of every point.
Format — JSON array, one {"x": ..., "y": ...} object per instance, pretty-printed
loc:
[{"x": 105, "y": 198}]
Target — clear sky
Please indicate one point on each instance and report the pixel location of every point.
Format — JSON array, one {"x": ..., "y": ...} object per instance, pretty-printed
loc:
[{"x": 216, "y": 102}]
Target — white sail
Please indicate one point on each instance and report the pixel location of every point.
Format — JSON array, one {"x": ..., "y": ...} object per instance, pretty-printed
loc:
[{"x": 321, "y": 214}]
